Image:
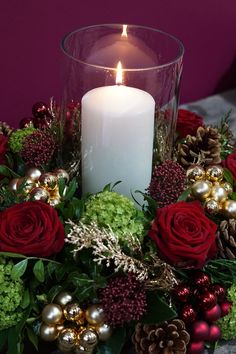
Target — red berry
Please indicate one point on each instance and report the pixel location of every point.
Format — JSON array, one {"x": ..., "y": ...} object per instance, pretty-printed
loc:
[
  {"x": 225, "y": 308},
  {"x": 212, "y": 314},
  {"x": 200, "y": 331}
]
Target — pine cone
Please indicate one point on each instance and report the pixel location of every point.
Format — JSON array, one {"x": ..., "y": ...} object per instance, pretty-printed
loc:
[
  {"x": 204, "y": 148},
  {"x": 165, "y": 338},
  {"x": 226, "y": 239},
  {"x": 5, "y": 129}
]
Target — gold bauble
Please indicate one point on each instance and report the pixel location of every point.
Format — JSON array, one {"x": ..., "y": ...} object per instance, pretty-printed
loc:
[
  {"x": 80, "y": 349},
  {"x": 73, "y": 312},
  {"x": 195, "y": 173},
  {"x": 104, "y": 331},
  {"x": 229, "y": 209},
  {"x": 48, "y": 333},
  {"x": 27, "y": 182},
  {"x": 214, "y": 173},
  {"x": 88, "y": 338},
  {"x": 218, "y": 193},
  {"x": 63, "y": 298},
  {"x": 211, "y": 206},
  {"x": 60, "y": 173},
  {"x": 39, "y": 193},
  {"x": 34, "y": 173},
  {"x": 13, "y": 184},
  {"x": 48, "y": 180},
  {"x": 227, "y": 186},
  {"x": 52, "y": 314},
  {"x": 201, "y": 189},
  {"x": 54, "y": 201},
  {"x": 67, "y": 339},
  {"x": 95, "y": 314}
]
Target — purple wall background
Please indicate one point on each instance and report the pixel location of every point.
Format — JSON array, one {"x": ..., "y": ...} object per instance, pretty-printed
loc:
[{"x": 31, "y": 30}]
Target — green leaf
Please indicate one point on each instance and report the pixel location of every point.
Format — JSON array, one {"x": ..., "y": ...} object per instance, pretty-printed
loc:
[
  {"x": 51, "y": 268},
  {"x": 13, "y": 341},
  {"x": 115, "y": 343},
  {"x": 12, "y": 255},
  {"x": 61, "y": 184},
  {"x": 53, "y": 292},
  {"x": 6, "y": 171},
  {"x": 233, "y": 196},
  {"x": 32, "y": 337},
  {"x": 71, "y": 189},
  {"x": 26, "y": 299},
  {"x": 228, "y": 176},
  {"x": 158, "y": 310},
  {"x": 39, "y": 271},
  {"x": 183, "y": 196},
  {"x": 19, "y": 269}
]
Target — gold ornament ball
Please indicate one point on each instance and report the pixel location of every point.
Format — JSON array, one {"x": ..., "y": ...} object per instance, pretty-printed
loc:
[
  {"x": 80, "y": 349},
  {"x": 39, "y": 193},
  {"x": 201, "y": 189},
  {"x": 48, "y": 180},
  {"x": 88, "y": 338},
  {"x": 211, "y": 206},
  {"x": 218, "y": 193},
  {"x": 73, "y": 312},
  {"x": 104, "y": 331},
  {"x": 27, "y": 182},
  {"x": 48, "y": 333},
  {"x": 60, "y": 173},
  {"x": 34, "y": 173},
  {"x": 95, "y": 314},
  {"x": 63, "y": 298},
  {"x": 229, "y": 209},
  {"x": 67, "y": 339},
  {"x": 214, "y": 173},
  {"x": 52, "y": 314},
  {"x": 54, "y": 201},
  {"x": 227, "y": 186},
  {"x": 195, "y": 173},
  {"x": 13, "y": 184}
]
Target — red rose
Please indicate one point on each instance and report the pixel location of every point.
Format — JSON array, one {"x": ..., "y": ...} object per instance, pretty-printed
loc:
[
  {"x": 32, "y": 229},
  {"x": 184, "y": 236},
  {"x": 187, "y": 123},
  {"x": 3, "y": 148},
  {"x": 230, "y": 163}
]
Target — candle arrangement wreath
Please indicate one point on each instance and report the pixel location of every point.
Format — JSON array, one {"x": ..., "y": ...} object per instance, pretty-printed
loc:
[{"x": 96, "y": 274}]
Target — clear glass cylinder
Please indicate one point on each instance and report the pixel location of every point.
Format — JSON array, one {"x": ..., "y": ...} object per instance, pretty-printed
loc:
[{"x": 128, "y": 114}]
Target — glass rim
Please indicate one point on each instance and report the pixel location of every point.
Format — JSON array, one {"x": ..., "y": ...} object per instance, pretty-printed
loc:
[{"x": 169, "y": 63}]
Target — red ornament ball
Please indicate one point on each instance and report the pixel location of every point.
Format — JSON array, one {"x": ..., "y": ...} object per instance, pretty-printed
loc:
[
  {"x": 196, "y": 348},
  {"x": 40, "y": 110},
  {"x": 188, "y": 314},
  {"x": 201, "y": 280},
  {"x": 218, "y": 290},
  {"x": 26, "y": 122},
  {"x": 181, "y": 292},
  {"x": 207, "y": 300},
  {"x": 214, "y": 333},
  {"x": 225, "y": 308},
  {"x": 212, "y": 314},
  {"x": 200, "y": 331}
]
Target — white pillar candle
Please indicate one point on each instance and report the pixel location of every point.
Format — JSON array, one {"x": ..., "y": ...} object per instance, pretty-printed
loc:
[{"x": 117, "y": 138}]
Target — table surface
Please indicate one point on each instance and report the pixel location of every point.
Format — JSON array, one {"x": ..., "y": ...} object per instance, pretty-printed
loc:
[{"x": 212, "y": 109}]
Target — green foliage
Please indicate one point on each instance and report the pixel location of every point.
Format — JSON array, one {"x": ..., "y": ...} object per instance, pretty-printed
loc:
[
  {"x": 222, "y": 271},
  {"x": 17, "y": 138},
  {"x": 228, "y": 323},
  {"x": 11, "y": 296},
  {"x": 110, "y": 209},
  {"x": 158, "y": 310},
  {"x": 114, "y": 344}
]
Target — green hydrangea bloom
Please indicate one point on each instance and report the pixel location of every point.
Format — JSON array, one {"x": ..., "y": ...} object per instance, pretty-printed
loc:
[
  {"x": 11, "y": 293},
  {"x": 228, "y": 323},
  {"x": 17, "y": 138},
  {"x": 117, "y": 211}
]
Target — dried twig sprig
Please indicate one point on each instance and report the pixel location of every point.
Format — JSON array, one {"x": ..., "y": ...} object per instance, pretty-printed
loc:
[
  {"x": 105, "y": 248},
  {"x": 155, "y": 273}
]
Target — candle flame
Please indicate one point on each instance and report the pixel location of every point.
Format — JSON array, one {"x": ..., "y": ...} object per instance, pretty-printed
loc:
[
  {"x": 124, "y": 33},
  {"x": 119, "y": 74}
]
